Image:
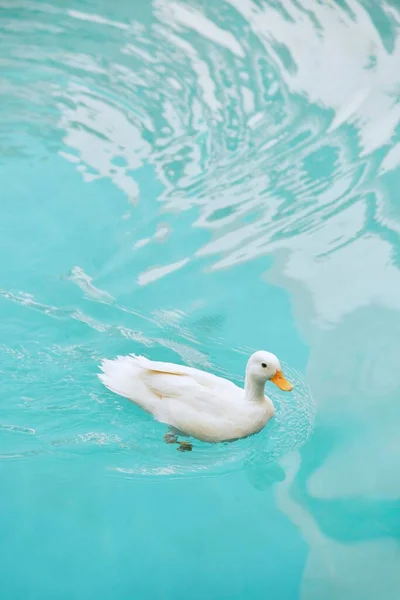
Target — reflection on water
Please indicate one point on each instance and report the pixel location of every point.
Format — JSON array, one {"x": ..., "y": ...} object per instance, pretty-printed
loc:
[{"x": 192, "y": 181}]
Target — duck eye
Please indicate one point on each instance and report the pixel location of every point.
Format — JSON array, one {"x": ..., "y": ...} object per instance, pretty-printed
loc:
[{"x": 264, "y": 365}]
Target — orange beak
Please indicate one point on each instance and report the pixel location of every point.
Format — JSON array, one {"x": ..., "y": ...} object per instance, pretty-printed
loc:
[{"x": 279, "y": 380}]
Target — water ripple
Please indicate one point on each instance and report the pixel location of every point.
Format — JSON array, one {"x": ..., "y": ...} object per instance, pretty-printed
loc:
[
  {"x": 196, "y": 120},
  {"x": 62, "y": 401}
]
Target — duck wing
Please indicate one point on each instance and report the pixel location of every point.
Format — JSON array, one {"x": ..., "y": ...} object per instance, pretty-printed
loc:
[{"x": 171, "y": 380}]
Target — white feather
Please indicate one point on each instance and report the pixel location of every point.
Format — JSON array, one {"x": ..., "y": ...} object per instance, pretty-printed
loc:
[{"x": 197, "y": 403}]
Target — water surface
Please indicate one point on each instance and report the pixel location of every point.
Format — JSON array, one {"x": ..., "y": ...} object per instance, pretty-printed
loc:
[{"x": 194, "y": 181}]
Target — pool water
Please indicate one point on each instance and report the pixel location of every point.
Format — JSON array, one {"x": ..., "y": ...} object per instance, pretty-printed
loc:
[{"x": 193, "y": 181}]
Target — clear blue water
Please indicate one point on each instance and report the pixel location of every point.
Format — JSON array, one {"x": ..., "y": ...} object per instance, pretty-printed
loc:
[{"x": 194, "y": 181}]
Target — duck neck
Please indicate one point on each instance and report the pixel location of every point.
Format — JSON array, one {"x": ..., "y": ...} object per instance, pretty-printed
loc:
[{"x": 254, "y": 389}]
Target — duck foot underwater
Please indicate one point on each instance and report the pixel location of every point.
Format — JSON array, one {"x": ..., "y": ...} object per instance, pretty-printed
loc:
[{"x": 172, "y": 438}]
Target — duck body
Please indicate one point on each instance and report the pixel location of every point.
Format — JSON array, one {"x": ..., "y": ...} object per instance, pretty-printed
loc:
[{"x": 191, "y": 401}]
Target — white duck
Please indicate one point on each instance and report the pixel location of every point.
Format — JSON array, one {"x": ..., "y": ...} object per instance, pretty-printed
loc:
[{"x": 193, "y": 402}]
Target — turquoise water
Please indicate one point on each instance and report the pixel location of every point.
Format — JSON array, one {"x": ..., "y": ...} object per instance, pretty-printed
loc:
[{"x": 193, "y": 181}]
